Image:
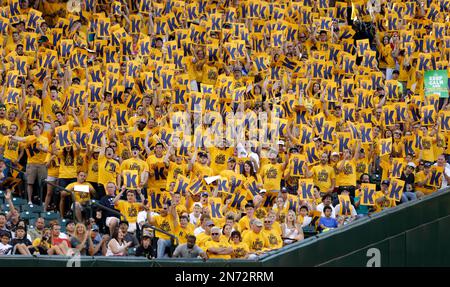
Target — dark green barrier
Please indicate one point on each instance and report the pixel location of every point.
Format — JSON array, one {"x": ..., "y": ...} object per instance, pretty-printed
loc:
[{"x": 413, "y": 234}]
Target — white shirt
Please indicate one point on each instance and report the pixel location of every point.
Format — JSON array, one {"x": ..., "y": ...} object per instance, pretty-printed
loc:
[
  {"x": 320, "y": 208},
  {"x": 337, "y": 208},
  {"x": 447, "y": 171},
  {"x": 306, "y": 221},
  {"x": 142, "y": 217},
  {"x": 5, "y": 249},
  {"x": 194, "y": 220},
  {"x": 198, "y": 230}
]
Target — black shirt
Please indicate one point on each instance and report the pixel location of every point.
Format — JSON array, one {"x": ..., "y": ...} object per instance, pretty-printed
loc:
[
  {"x": 410, "y": 179},
  {"x": 107, "y": 201}
]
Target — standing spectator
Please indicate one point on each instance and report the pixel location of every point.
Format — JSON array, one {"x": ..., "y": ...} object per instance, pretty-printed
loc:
[
  {"x": 194, "y": 216},
  {"x": 409, "y": 178},
  {"x": 167, "y": 221},
  {"x": 37, "y": 147},
  {"x": 129, "y": 208},
  {"x": 109, "y": 218}
]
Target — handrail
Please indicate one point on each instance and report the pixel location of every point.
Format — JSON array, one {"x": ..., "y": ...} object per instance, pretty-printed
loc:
[
  {"x": 66, "y": 190},
  {"x": 172, "y": 236}
]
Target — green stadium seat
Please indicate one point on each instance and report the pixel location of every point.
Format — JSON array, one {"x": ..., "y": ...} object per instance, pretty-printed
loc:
[
  {"x": 17, "y": 201},
  {"x": 5, "y": 208},
  {"x": 48, "y": 216},
  {"x": 33, "y": 208},
  {"x": 2, "y": 197},
  {"x": 26, "y": 215},
  {"x": 132, "y": 252},
  {"x": 32, "y": 222}
]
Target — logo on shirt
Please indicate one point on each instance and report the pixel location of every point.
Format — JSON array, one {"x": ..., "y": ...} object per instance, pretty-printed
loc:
[
  {"x": 272, "y": 173},
  {"x": 323, "y": 176},
  {"x": 257, "y": 245},
  {"x": 220, "y": 159}
]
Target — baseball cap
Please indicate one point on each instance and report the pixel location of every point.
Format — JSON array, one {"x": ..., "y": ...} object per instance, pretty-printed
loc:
[
  {"x": 258, "y": 223},
  {"x": 209, "y": 223},
  {"x": 198, "y": 204},
  {"x": 124, "y": 222},
  {"x": 283, "y": 189},
  {"x": 334, "y": 153},
  {"x": 293, "y": 149},
  {"x": 280, "y": 142},
  {"x": 231, "y": 159},
  {"x": 202, "y": 153},
  {"x": 216, "y": 229},
  {"x": 411, "y": 164},
  {"x": 205, "y": 194},
  {"x": 262, "y": 191},
  {"x": 142, "y": 121},
  {"x": 94, "y": 227},
  {"x": 135, "y": 147},
  {"x": 385, "y": 182},
  {"x": 427, "y": 164}
]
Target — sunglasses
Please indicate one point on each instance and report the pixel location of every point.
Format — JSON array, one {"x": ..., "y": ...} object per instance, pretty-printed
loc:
[
  {"x": 214, "y": 233},
  {"x": 267, "y": 221}
]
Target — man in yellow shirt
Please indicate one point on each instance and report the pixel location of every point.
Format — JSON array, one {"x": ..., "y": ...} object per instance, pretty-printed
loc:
[
  {"x": 129, "y": 208},
  {"x": 108, "y": 168},
  {"x": 217, "y": 248},
  {"x": 184, "y": 230},
  {"x": 36, "y": 148},
  {"x": 157, "y": 169},
  {"x": 81, "y": 197},
  {"x": 323, "y": 175},
  {"x": 255, "y": 238},
  {"x": 167, "y": 220},
  {"x": 135, "y": 163}
]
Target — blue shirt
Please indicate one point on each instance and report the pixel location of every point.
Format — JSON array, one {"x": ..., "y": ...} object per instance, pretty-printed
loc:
[{"x": 328, "y": 222}]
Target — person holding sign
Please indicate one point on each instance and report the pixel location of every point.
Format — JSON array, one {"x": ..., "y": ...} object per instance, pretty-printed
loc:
[
  {"x": 83, "y": 191},
  {"x": 129, "y": 208},
  {"x": 36, "y": 147}
]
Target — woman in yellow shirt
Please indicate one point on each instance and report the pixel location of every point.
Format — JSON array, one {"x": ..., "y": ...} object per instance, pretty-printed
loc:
[{"x": 240, "y": 249}]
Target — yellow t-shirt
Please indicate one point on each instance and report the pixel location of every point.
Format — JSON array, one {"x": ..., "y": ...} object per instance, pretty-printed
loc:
[
  {"x": 220, "y": 244},
  {"x": 219, "y": 158},
  {"x": 256, "y": 242},
  {"x": 165, "y": 223},
  {"x": 158, "y": 173},
  {"x": 129, "y": 210},
  {"x": 323, "y": 176},
  {"x": 108, "y": 169},
  {"x": 183, "y": 233},
  {"x": 34, "y": 155},
  {"x": 271, "y": 175},
  {"x": 274, "y": 238},
  {"x": 347, "y": 176},
  {"x": 80, "y": 197},
  {"x": 11, "y": 148},
  {"x": 239, "y": 250}
]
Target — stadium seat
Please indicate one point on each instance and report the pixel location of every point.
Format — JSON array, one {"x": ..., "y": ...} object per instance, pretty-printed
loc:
[
  {"x": 132, "y": 252},
  {"x": 48, "y": 216},
  {"x": 5, "y": 208},
  {"x": 17, "y": 201},
  {"x": 32, "y": 222},
  {"x": 26, "y": 215},
  {"x": 33, "y": 208},
  {"x": 2, "y": 197}
]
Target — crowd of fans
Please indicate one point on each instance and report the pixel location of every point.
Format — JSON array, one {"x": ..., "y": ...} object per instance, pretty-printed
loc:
[{"x": 233, "y": 127}]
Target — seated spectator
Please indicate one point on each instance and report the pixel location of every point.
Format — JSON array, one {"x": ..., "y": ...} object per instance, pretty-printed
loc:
[
  {"x": 117, "y": 246},
  {"x": 240, "y": 249},
  {"x": 39, "y": 227},
  {"x": 129, "y": 237},
  {"x": 327, "y": 222},
  {"x": 21, "y": 243},
  {"x": 97, "y": 243},
  {"x": 189, "y": 250},
  {"x": 216, "y": 248},
  {"x": 326, "y": 201},
  {"x": 79, "y": 239},
  {"x": 304, "y": 217},
  {"x": 61, "y": 245},
  {"x": 346, "y": 215},
  {"x": 5, "y": 247},
  {"x": 148, "y": 246},
  {"x": 292, "y": 231}
]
